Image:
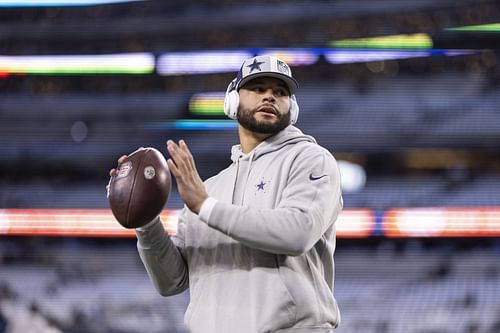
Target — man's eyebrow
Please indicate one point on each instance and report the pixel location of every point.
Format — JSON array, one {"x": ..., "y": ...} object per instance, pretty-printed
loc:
[
  {"x": 255, "y": 81},
  {"x": 283, "y": 85}
]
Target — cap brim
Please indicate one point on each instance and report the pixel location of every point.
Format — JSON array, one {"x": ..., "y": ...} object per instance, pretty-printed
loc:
[{"x": 292, "y": 84}]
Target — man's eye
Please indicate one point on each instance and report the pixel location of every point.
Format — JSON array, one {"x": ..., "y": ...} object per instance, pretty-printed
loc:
[{"x": 262, "y": 89}]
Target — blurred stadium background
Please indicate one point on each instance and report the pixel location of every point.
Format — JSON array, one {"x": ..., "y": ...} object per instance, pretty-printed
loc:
[{"x": 404, "y": 93}]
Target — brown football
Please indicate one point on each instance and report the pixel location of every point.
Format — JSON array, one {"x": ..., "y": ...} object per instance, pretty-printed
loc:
[{"x": 140, "y": 187}]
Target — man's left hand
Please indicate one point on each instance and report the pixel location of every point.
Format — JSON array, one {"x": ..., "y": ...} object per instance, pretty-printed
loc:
[{"x": 189, "y": 184}]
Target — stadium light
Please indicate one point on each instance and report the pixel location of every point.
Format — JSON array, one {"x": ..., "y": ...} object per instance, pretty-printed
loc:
[
  {"x": 52, "y": 3},
  {"x": 493, "y": 27},
  {"x": 125, "y": 63},
  {"x": 413, "y": 41}
]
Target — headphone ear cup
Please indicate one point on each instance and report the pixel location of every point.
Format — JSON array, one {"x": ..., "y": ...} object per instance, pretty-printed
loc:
[
  {"x": 231, "y": 104},
  {"x": 294, "y": 110}
]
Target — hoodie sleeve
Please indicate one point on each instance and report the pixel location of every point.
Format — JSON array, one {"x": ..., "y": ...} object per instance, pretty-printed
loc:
[
  {"x": 163, "y": 256},
  {"x": 309, "y": 205}
]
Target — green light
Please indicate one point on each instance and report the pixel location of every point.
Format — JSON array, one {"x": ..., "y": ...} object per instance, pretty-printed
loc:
[
  {"x": 81, "y": 71},
  {"x": 208, "y": 104},
  {"x": 126, "y": 63},
  {"x": 495, "y": 27},
  {"x": 414, "y": 41}
]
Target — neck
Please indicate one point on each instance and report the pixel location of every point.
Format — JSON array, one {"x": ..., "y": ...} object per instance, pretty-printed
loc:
[{"x": 249, "y": 140}]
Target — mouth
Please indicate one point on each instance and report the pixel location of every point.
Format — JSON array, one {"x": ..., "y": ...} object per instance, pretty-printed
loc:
[{"x": 268, "y": 110}]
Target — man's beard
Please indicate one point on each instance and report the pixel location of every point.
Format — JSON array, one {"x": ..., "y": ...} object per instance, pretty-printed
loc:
[{"x": 247, "y": 119}]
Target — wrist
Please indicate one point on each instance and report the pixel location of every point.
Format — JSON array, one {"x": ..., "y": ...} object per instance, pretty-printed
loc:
[
  {"x": 149, "y": 224},
  {"x": 206, "y": 209},
  {"x": 197, "y": 207}
]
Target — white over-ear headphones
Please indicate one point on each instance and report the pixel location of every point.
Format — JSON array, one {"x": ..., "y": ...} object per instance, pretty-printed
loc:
[{"x": 232, "y": 103}]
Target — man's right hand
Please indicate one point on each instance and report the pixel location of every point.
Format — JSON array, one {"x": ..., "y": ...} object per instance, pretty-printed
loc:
[{"x": 112, "y": 173}]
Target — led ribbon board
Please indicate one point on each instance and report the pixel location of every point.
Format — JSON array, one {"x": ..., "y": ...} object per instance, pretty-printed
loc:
[
  {"x": 494, "y": 27},
  {"x": 188, "y": 63},
  {"x": 50, "y": 3},
  {"x": 225, "y": 61},
  {"x": 442, "y": 222},
  {"x": 71, "y": 222},
  {"x": 127, "y": 63},
  {"x": 178, "y": 63},
  {"x": 209, "y": 104},
  {"x": 348, "y": 56},
  {"x": 101, "y": 223},
  {"x": 205, "y": 124},
  {"x": 400, "y": 222},
  {"x": 414, "y": 42},
  {"x": 293, "y": 57}
]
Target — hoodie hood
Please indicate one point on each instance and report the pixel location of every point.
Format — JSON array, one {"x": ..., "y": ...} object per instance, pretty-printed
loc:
[{"x": 289, "y": 135}]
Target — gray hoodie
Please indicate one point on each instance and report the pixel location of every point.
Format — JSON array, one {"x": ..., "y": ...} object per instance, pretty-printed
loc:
[{"x": 259, "y": 256}]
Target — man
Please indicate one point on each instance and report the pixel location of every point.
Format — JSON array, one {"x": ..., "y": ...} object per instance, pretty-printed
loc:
[{"x": 255, "y": 243}]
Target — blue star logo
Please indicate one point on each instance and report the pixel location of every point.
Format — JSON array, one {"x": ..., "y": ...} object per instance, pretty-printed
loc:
[
  {"x": 260, "y": 186},
  {"x": 255, "y": 65}
]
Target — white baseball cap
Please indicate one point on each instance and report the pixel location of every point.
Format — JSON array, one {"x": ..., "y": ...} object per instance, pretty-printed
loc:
[{"x": 265, "y": 66}]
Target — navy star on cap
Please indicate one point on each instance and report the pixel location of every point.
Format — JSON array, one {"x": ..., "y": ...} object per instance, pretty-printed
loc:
[{"x": 255, "y": 65}]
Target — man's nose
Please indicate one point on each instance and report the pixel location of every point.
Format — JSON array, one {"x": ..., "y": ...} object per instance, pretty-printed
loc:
[{"x": 269, "y": 94}]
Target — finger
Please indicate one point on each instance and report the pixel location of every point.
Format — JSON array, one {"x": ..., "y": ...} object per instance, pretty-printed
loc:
[
  {"x": 122, "y": 158},
  {"x": 189, "y": 156},
  {"x": 183, "y": 160},
  {"x": 171, "y": 150},
  {"x": 184, "y": 147},
  {"x": 173, "y": 168},
  {"x": 177, "y": 155},
  {"x": 112, "y": 172}
]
